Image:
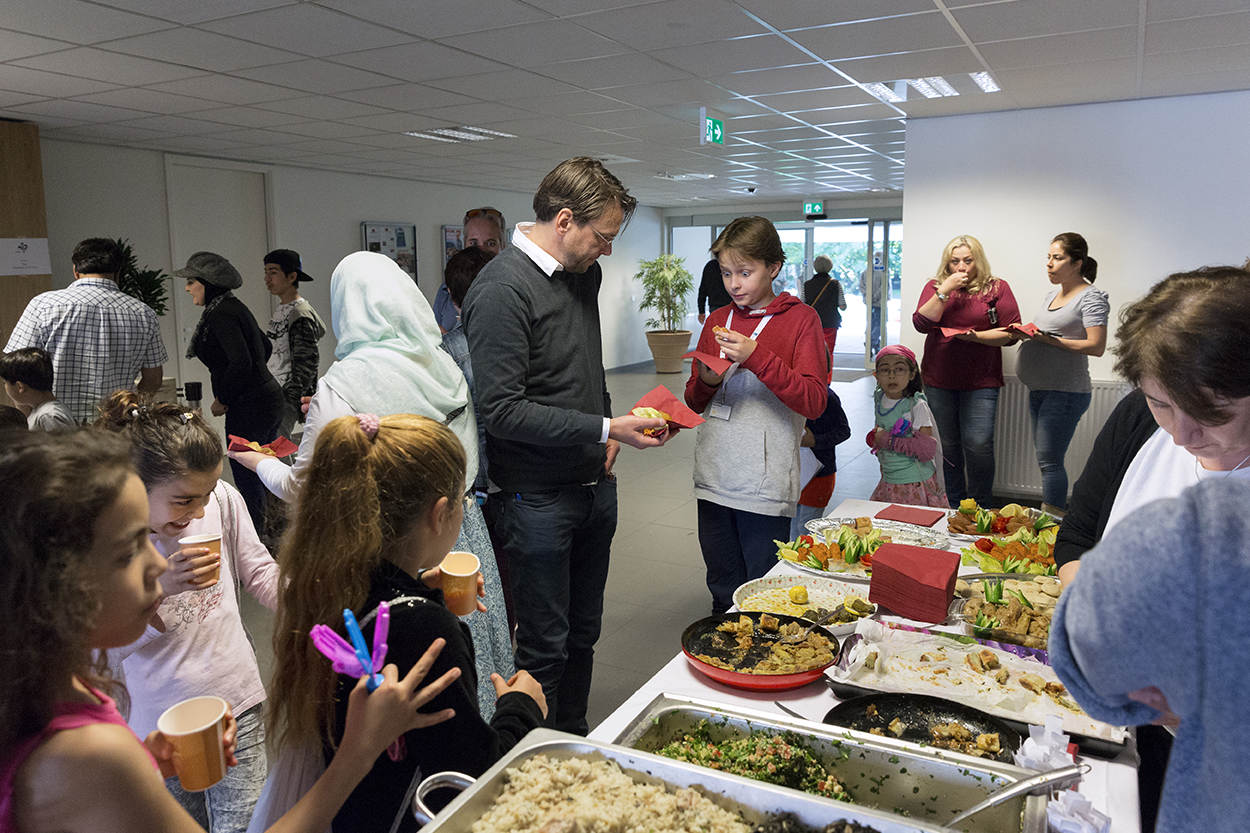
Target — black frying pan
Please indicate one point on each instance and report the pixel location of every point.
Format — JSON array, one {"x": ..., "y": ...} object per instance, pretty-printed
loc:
[{"x": 919, "y": 712}]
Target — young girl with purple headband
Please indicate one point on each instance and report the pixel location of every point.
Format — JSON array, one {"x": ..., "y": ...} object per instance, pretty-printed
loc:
[{"x": 905, "y": 437}]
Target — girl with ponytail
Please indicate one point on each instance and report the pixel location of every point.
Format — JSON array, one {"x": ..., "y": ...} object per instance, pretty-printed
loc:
[{"x": 382, "y": 503}]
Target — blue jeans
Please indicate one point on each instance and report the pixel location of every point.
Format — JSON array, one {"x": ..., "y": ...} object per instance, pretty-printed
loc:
[
  {"x": 737, "y": 546},
  {"x": 802, "y": 515},
  {"x": 557, "y": 543},
  {"x": 965, "y": 419},
  {"x": 1055, "y": 415},
  {"x": 226, "y": 807}
]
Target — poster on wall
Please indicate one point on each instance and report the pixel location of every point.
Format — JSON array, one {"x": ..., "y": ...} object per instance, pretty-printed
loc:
[
  {"x": 453, "y": 241},
  {"x": 24, "y": 256},
  {"x": 398, "y": 241}
]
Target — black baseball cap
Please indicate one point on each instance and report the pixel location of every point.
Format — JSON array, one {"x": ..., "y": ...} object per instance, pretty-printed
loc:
[{"x": 288, "y": 261}]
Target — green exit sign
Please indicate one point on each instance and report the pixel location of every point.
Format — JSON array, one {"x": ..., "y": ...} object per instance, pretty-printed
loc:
[
  {"x": 813, "y": 208},
  {"x": 713, "y": 131}
]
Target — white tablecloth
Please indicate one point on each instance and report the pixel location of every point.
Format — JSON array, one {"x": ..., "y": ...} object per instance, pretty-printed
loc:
[{"x": 1110, "y": 785}]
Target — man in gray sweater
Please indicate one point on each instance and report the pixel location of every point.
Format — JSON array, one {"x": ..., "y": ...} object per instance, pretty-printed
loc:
[
  {"x": 1154, "y": 629},
  {"x": 532, "y": 320}
]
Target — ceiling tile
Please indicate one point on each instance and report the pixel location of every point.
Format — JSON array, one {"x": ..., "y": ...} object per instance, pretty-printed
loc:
[
  {"x": 912, "y": 65},
  {"x": 177, "y": 125},
  {"x": 227, "y": 89},
  {"x": 811, "y": 99},
  {"x": 1027, "y": 18},
  {"x": 68, "y": 108},
  {"x": 203, "y": 144},
  {"x": 8, "y": 99},
  {"x": 110, "y": 133},
  {"x": 206, "y": 50},
  {"x": 563, "y": 104},
  {"x": 46, "y": 84},
  {"x": 195, "y": 11},
  {"x": 405, "y": 97},
  {"x": 879, "y": 37},
  {"x": 321, "y": 107},
  {"x": 1061, "y": 49},
  {"x": 672, "y": 23},
  {"x": 614, "y": 119},
  {"x": 480, "y": 113},
  {"x": 441, "y": 18},
  {"x": 615, "y": 70},
  {"x": 501, "y": 86},
  {"x": 73, "y": 20},
  {"x": 316, "y": 76},
  {"x": 1235, "y": 79},
  {"x": 577, "y": 7},
  {"x": 326, "y": 146},
  {"x": 1198, "y": 33},
  {"x": 767, "y": 81},
  {"x": 46, "y": 123},
  {"x": 1174, "y": 9},
  {"x": 396, "y": 122},
  {"x": 112, "y": 67},
  {"x": 245, "y": 116},
  {"x": 713, "y": 60},
  {"x": 795, "y": 14},
  {"x": 255, "y": 136},
  {"x": 419, "y": 61},
  {"x": 669, "y": 92},
  {"x": 326, "y": 129},
  {"x": 149, "y": 101},
  {"x": 15, "y": 45},
  {"x": 1194, "y": 61},
  {"x": 532, "y": 44},
  {"x": 391, "y": 138},
  {"x": 1069, "y": 83},
  {"x": 308, "y": 29}
]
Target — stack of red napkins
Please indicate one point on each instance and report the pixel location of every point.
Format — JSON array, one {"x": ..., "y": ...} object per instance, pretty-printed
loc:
[{"x": 915, "y": 582}]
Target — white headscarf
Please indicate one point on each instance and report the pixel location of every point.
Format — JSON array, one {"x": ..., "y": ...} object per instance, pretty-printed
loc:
[{"x": 390, "y": 358}]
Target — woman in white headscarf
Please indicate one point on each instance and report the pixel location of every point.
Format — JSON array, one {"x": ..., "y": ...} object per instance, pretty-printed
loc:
[{"x": 389, "y": 360}]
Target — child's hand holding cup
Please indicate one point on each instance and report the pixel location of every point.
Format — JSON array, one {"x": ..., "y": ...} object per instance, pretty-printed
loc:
[
  {"x": 199, "y": 730},
  {"x": 460, "y": 577},
  {"x": 196, "y": 566}
]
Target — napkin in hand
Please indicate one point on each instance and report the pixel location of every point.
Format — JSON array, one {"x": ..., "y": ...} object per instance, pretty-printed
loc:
[
  {"x": 951, "y": 332},
  {"x": 714, "y": 363},
  {"x": 280, "y": 447},
  {"x": 1029, "y": 329},
  {"x": 662, "y": 399}
]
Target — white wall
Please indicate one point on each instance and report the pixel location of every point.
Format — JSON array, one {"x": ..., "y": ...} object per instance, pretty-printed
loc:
[
  {"x": 105, "y": 191},
  {"x": 1156, "y": 186}
]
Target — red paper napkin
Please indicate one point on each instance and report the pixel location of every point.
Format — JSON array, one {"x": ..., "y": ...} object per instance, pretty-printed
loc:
[
  {"x": 911, "y": 515},
  {"x": 1029, "y": 329},
  {"x": 915, "y": 582},
  {"x": 951, "y": 332},
  {"x": 714, "y": 363},
  {"x": 280, "y": 447},
  {"x": 662, "y": 399}
]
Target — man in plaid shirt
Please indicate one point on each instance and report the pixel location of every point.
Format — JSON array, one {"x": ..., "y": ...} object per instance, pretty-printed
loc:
[{"x": 99, "y": 337}]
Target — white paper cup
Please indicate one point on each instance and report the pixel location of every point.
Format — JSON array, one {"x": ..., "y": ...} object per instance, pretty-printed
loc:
[
  {"x": 195, "y": 727},
  {"x": 460, "y": 571},
  {"x": 212, "y": 540}
]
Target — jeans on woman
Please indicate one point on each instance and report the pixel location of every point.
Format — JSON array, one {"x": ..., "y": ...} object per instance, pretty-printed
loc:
[
  {"x": 1055, "y": 415},
  {"x": 226, "y": 807},
  {"x": 965, "y": 419}
]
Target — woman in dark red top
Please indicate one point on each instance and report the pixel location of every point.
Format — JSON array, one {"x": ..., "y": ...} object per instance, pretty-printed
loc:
[{"x": 964, "y": 312}]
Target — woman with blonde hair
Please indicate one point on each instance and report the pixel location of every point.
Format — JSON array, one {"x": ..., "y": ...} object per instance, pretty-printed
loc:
[{"x": 963, "y": 370}]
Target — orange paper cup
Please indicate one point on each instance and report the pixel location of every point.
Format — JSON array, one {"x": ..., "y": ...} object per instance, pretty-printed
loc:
[
  {"x": 460, "y": 571},
  {"x": 195, "y": 728},
  {"x": 212, "y": 540}
]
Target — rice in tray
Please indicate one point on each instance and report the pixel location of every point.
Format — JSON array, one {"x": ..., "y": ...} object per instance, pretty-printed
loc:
[{"x": 545, "y": 794}]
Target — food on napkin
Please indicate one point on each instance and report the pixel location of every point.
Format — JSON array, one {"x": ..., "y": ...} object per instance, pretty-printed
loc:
[
  {"x": 651, "y": 413},
  {"x": 660, "y": 403},
  {"x": 281, "y": 447}
]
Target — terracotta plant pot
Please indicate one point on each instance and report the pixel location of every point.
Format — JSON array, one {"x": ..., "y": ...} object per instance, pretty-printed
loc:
[{"x": 667, "y": 348}]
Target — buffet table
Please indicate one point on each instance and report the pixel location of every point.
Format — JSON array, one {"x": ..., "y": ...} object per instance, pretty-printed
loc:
[{"x": 1110, "y": 785}]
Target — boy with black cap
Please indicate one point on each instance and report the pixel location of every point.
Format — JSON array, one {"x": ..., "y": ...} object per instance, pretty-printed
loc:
[{"x": 294, "y": 330}]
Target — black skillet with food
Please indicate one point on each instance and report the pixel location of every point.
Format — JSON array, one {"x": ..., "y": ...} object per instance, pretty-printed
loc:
[{"x": 933, "y": 721}]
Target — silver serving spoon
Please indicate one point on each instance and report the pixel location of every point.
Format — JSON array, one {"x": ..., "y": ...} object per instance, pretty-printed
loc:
[{"x": 1052, "y": 779}]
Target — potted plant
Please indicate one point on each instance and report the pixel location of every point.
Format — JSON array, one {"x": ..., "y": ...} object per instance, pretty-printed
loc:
[
  {"x": 148, "y": 285},
  {"x": 666, "y": 286}
]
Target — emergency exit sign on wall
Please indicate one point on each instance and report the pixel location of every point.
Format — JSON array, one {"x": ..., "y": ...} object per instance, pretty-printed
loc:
[{"x": 813, "y": 208}]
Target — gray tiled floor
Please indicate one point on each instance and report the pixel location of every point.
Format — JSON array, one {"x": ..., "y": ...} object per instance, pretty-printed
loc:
[{"x": 656, "y": 581}]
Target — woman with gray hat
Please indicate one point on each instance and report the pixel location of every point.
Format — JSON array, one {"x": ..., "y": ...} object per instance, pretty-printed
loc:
[{"x": 232, "y": 346}]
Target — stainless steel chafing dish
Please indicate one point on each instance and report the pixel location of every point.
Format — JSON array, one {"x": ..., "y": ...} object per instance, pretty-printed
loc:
[
  {"x": 885, "y": 773},
  {"x": 756, "y": 801}
]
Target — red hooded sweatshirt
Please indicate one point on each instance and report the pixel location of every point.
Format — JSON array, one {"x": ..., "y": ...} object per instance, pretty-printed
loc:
[{"x": 790, "y": 358}]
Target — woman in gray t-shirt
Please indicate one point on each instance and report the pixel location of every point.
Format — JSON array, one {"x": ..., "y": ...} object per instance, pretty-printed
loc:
[{"x": 1054, "y": 363}]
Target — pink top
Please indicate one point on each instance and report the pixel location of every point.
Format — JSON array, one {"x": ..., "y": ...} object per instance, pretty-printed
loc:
[
  {"x": 64, "y": 716},
  {"x": 965, "y": 365}
]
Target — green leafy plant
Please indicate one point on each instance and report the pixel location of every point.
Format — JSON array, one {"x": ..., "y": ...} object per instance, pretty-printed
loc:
[
  {"x": 147, "y": 285},
  {"x": 665, "y": 287}
]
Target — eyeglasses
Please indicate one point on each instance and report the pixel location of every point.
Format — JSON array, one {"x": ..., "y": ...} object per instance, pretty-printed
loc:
[
  {"x": 893, "y": 371},
  {"x": 606, "y": 241},
  {"x": 486, "y": 211}
]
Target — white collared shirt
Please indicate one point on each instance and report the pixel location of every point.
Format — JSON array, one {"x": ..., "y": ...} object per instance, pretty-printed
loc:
[{"x": 549, "y": 265}]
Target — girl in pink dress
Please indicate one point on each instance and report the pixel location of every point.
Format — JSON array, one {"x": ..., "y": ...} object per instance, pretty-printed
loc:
[{"x": 904, "y": 436}]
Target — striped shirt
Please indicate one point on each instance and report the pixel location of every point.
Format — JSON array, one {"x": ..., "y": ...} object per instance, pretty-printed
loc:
[{"x": 99, "y": 339}]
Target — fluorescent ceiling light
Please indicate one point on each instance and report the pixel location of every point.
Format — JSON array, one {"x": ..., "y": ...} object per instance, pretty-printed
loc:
[
  {"x": 941, "y": 85},
  {"x": 484, "y": 131},
  {"x": 460, "y": 134},
  {"x": 683, "y": 177},
  {"x": 985, "y": 81},
  {"x": 882, "y": 92},
  {"x": 418, "y": 135},
  {"x": 923, "y": 87}
]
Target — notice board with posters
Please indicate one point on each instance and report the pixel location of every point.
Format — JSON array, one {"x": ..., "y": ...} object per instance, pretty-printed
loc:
[{"x": 398, "y": 241}]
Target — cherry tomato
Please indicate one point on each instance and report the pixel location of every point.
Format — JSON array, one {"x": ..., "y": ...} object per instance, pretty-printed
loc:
[
  {"x": 999, "y": 525},
  {"x": 805, "y": 541},
  {"x": 984, "y": 545}
]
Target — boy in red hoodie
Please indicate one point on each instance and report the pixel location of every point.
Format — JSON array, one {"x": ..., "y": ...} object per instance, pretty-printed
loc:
[{"x": 746, "y": 468}]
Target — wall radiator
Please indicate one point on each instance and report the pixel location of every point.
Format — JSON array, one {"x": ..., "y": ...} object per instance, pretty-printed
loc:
[{"x": 1015, "y": 460}]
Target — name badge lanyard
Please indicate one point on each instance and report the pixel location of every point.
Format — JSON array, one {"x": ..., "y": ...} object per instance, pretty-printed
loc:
[{"x": 721, "y": 409}]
